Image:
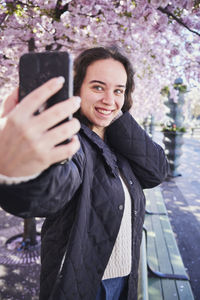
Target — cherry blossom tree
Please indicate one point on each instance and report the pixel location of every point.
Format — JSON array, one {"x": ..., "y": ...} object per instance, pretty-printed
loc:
[{"x": 161, "y": 37}]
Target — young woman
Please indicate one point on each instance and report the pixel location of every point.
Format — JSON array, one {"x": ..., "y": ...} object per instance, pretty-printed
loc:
[{"x": 94, "y": 204}]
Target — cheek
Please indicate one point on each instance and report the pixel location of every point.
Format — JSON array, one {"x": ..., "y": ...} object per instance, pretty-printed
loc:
[
  {"x": 83, "y": 106},
  {"x": 86, "y": 105},
  {"x": 120, "y": 102}
]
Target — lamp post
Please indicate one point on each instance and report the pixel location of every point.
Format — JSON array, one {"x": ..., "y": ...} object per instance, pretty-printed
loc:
[{"x": 173, "y": 133}]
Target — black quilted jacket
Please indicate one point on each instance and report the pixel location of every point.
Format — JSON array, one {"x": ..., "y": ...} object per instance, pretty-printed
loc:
[{"x": 82, "y": 201}]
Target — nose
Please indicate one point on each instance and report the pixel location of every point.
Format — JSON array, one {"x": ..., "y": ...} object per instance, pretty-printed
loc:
[{"x": 109, "y": 98}]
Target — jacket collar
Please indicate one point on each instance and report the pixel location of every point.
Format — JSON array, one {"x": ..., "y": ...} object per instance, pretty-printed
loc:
[{"x": 108, "y": 155}]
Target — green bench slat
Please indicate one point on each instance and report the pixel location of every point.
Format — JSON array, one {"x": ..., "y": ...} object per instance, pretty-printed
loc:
[
  {"x": 155, "y": 289},
  {"x": 164, "y": 236},
  {"x": 162, "y": 254},
  {"x": 151, "y": 245},
  {"x": 184, "y": 290},
  {"x": 169, "y": 289},
  {"x": 160, "y": 244},
  {"x": 175, "y": 257},
  {"x": 157, "y": 206},
  {"x": 159, "y": 259},
  {"x": 143, "y": 274}
]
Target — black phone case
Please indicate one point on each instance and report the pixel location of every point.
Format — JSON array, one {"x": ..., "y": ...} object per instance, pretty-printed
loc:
[{"x": 36, "y": 68}]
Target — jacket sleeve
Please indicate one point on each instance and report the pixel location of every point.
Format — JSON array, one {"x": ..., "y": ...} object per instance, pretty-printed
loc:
[
  {"x": 146, "y": 157},
  {"x": 46, "y": 194}
]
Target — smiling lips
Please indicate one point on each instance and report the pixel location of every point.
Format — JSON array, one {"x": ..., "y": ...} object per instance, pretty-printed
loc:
[{"x": 104, "y": 111}]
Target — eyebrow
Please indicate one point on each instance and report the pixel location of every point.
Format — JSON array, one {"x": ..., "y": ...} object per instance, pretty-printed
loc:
[{"x": 101, "y": 82}]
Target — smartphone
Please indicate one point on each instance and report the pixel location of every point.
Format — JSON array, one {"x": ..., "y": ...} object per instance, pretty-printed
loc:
[{"x": 36, "y": 68}]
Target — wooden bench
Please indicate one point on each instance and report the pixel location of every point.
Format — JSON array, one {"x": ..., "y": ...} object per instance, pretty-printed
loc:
[{"x": 162, "y": 274}]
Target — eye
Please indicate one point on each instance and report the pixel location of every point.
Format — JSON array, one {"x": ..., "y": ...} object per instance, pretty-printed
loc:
[
  {"x": 119, "y": 91},
  {"x": 97, "y": 88}
]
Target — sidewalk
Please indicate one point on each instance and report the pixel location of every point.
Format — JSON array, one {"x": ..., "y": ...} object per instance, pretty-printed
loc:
[
  {"x": 182, "y": 197},
  {"x": 18, "y": 279}
]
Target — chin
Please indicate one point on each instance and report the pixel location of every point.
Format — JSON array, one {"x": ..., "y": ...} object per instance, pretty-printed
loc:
[{"x": 105, "y": 124}]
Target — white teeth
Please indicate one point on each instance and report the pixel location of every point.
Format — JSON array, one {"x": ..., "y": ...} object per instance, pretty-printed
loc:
[{"x": 105, "y": 112}]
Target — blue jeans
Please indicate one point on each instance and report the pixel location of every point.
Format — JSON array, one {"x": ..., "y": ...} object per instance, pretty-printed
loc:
[{"x": 113, "y": 289}]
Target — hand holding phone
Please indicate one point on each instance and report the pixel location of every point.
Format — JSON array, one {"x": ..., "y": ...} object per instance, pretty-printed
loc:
[{"x": 27, "y": 145}]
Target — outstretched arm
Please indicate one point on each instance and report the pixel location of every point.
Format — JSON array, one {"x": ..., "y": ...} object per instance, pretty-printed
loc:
[
  {"x": 46, "y": 194},
  {"x": 28, "y": 148}
]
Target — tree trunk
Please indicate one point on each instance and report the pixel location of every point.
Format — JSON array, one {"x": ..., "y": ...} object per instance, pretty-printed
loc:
[{"x": 30, "y": 234}]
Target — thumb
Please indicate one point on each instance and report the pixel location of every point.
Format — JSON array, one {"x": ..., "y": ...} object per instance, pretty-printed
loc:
[{"x": 9, "y": 103}]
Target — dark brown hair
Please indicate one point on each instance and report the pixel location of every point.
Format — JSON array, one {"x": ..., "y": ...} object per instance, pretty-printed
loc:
[{"x": 87, "y": 57}]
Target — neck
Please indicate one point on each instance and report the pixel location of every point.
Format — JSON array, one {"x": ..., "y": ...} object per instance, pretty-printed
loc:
[{"x": 100, "y": 131}]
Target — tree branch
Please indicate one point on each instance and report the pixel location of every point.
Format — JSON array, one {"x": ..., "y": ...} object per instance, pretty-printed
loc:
[
  {"x": 2, "y": 18},
  {"x": 31, "y": 45},
  {"x": 170, "y": 14},
  {"x": 60, "y": 9}
]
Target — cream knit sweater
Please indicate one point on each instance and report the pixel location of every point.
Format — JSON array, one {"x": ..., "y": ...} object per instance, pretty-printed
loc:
[{"x": 119, "y": 264}]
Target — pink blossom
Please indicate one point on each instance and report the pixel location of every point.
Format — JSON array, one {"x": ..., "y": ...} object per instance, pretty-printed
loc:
[
  {"x": 188, "y": 47},
  {"x": 158, "y": 3},
  {"x": 198, "y": 59},
  {"x": 197, "y": 26},
  {"x": 189, "y": 4},
  {"x": 157, "y": 48},
  {"x": 174, "y": 52},
  {"x": 189, "y": 22}
]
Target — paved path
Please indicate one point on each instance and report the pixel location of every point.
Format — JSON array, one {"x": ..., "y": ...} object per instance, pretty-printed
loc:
[
  {"x": 19, "y": 279},
  {"x": 182, "y": 198}
]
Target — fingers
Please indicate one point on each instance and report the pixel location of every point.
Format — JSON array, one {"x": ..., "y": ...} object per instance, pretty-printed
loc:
[
  {"x": 57, "y": 113},
  {"x": 65, "y": 151},
  {"x": 10, "y": 102},
  {"x": 35, "y": 99},
  {"x": 33, "y": 138},
  {"x": 62, "y": 132}
]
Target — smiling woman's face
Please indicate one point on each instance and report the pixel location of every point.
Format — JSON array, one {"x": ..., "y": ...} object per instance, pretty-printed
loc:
[{"x": 102, "y": 93}]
